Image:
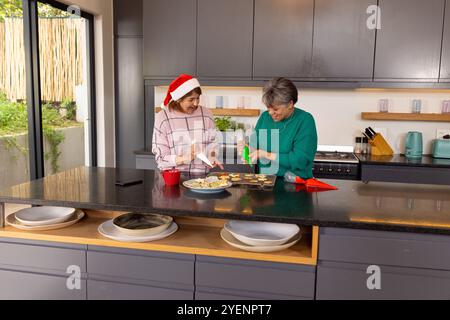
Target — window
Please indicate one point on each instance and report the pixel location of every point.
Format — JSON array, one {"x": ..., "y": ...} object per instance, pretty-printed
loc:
[
  {"x": 47, "y": 89},
  {"x": 14, "y": 156},
  {"x": 63, "y": 61}
]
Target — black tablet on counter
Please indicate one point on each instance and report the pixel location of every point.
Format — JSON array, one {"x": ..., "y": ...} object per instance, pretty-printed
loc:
[{"x": 125, "y": 178}]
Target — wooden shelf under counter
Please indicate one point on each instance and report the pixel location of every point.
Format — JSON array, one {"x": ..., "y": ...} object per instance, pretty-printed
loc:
[
  {"x": 388, "y": 116},
  {"x": 230, "y": 112},
  {"x": 199, "y": 236}
]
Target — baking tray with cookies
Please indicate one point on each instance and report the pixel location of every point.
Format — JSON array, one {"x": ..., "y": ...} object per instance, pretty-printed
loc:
[{"x": 251, "y": 180}]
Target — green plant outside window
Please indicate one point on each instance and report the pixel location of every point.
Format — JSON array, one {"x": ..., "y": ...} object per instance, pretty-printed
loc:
[{"x": 14, "y": 121}]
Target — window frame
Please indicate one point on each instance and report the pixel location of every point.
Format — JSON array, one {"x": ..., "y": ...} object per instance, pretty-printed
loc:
[{"x": 33, "y": 87}]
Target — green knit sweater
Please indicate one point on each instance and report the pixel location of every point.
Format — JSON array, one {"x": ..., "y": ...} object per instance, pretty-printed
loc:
[{"x": 294, "y": 140}]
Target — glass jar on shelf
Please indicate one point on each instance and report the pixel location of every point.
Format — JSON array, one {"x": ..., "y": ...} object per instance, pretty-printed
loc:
[
  {"x": 446, "y": 106},
  {"x": 383, "y": 104},
  {"x": 416, "y": 106}
]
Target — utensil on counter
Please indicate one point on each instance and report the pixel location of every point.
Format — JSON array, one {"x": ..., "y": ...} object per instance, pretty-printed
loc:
[
  {"x": 380, "y": 147},
  {"x": 246, "y": 155},
  {"x": 310, "y": 184},
  {"x": 108, "y": 230},
  {"x": 368, "y": 134},
  {"x": 205, "y": 159},
  {"x": 441, "y": 148},
  {"x": 414, "y": 145},
  {"x": 12, "y": 221},
  {"x": 142, "y": 224},
  {"x": 40, "y": 216}
]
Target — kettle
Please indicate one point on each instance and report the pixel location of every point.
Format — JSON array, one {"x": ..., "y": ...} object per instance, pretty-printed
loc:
[{"x": 414, "y": 145}]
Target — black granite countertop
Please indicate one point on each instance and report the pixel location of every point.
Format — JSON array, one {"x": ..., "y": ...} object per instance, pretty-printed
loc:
[
  {"x": 381, "y": 206},
  {"x": 401, "y": 160}
]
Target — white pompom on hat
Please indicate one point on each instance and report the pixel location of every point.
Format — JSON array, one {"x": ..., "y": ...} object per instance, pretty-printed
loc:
[{"x": 179, "y": 87}]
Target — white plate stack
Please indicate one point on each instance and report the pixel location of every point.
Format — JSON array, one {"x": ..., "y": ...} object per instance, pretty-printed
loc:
[
  {"x": 138, "y": 227},
  {"x": 44, "y": 218},
  {"x": 258, "y": 236}
]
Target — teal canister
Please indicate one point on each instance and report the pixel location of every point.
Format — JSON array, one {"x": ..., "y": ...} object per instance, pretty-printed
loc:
[{"x": 414, "y": 145}]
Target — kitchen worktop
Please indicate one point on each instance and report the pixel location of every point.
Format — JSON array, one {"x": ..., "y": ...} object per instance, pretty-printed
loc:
[
  {"x": 401, "y": 160},
  {"x": 380, "y": 206}
]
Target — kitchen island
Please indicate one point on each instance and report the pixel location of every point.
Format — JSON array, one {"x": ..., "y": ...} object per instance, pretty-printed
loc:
[{"x": 402, "y": 228}]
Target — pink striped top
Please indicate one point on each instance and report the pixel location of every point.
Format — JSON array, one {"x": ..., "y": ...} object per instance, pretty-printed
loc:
[{"x": 173, "y": 134}]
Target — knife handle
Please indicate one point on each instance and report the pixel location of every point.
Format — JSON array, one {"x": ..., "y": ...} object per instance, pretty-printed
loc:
[{"x": 365, "y": 135}]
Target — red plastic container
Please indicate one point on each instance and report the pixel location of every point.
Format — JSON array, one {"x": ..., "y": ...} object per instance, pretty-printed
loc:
[{"x": 171, "y": 177}]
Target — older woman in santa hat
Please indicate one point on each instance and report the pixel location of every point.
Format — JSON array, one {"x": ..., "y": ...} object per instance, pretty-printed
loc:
[{"x": 183, "y": 129}]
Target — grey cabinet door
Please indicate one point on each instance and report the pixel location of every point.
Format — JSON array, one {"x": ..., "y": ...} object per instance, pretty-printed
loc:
[
  {"x": 42, "y": 256},
  {"x": 169, "y": 37},
  {"x": 283, "y": 38},
  {"x": 116, "y": 273},
  {"x": 141, "y": 264},
  {"x": 128, "y": 17},
  {"x": 401, "y": 249},
  {"x": 343, "y": 46},
  {"x": 354, "y": 281},
  {"x": 225, "y": 31},
  {"x": 103, "y": 290},
  {"x": 129, "y": 100},
  {"x": 16, "y": 285},
  {"x": 252, "y": 279},
  {"x": 405, "y": 174},
  {"x": 205, "y": 293},
  {"x": 408, "y": 46},
  {"x": 445, "y": 65}
]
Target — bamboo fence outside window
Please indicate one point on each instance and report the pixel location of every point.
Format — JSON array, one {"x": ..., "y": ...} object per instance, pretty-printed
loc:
[{"x": 62, "y": 52}]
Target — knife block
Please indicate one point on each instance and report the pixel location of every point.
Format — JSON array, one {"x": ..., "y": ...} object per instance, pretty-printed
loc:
[{"x": 380, "y": 147}]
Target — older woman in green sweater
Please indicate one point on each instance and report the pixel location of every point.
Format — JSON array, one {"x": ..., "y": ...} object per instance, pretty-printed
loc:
[{"x": 285, "y": 137}]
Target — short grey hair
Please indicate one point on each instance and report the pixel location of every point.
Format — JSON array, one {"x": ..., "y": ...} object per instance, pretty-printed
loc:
[{"x": 279, "y": 91}]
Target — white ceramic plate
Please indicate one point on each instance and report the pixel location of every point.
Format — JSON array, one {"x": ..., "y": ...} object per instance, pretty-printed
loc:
[
  {"x": 107, "y": 229},
  {"x": 258, "y": 233},
  {"x": 12, "y": 221},
  {"x": 40, "y": 216},
  {"x": 232, "y": 241},
  {"x": 206, "y": 190}
]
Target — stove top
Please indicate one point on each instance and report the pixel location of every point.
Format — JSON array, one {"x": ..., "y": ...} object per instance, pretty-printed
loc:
[
  {"x": 339, "y": 154},
  {"x": 340, "y": 157},
  {"x": 336, "y": 162}
]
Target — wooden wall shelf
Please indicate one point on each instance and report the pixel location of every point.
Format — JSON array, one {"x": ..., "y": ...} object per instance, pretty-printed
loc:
[
  {"x": 199, "y": 236},
  {"x": 387, "y": 116},
  {"x": 229, "y": 112}
]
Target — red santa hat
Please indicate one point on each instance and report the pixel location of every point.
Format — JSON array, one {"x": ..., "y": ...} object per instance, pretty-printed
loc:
[{"x": 180, "y": 87}]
